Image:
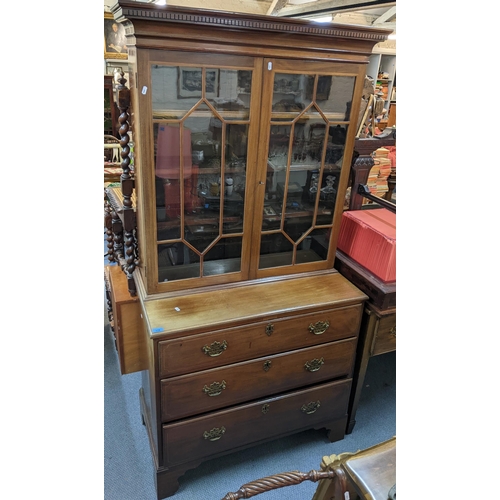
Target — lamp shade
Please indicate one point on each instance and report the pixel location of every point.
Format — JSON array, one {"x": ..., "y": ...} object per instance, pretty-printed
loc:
[{"x": 168, "y": 158}]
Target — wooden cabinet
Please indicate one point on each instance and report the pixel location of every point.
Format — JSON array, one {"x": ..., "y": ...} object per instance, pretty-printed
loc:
[
  {"x": 223, "y": 377},
  {"x": 243, "y": 133}
]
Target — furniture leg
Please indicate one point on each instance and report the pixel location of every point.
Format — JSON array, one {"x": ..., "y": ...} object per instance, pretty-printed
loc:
[{"x": 362, "y": 357}]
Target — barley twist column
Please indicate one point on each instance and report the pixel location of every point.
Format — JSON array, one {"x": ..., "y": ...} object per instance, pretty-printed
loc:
[{"x": 127, "y": 185}]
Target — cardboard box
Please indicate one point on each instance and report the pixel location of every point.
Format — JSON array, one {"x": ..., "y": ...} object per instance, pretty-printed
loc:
[{"x": 369, "y": 238}]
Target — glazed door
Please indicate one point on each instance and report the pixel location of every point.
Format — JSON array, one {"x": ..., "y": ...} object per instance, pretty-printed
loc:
[
  {"x": 205, "y": 116},
  {"x": 307, "y": 133}
]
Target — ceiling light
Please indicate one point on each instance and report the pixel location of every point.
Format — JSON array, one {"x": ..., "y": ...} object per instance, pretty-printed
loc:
[{"x": 324, "y": 19}]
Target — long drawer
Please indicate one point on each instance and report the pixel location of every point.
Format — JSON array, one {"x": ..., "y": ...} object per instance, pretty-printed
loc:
[
  {"x": 222, "y": 347},
  {"x": 205, "y": 391},
  {"x": 271, "y": 417}
]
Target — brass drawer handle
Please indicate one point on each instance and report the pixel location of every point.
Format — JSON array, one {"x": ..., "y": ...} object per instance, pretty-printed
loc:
[
  {"x": 267, "y": 365},
  {"x": 215, "y": 349},
  {"x": 393, "y": 331},
  {"x": 215, "y": 434},
  {"x": 311, "y": 407},
  {"x": 319, "y": 327},
  {"x": 215, "y": 388},
  {"x": 265, "y": 408},
  {"x": 314, "y": 365},
  {"x": 269, "y": 329}
]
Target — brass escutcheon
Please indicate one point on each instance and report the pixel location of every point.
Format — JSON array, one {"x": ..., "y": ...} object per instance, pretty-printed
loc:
[
  {"x": 267, "y": 366},
  {"x": 215, "y": 388},
  {"x": 392, "y": 331},
  {"x": 215, "y": 349},
  {"x": 311, "y": 407},
  {"x": 265, "y": 409},
  {"x": 319, "y": 327},
  {"x": 314, "y": 365},
  {"x": 215, "y": 434},
  {"x": 269, "y": 329}
]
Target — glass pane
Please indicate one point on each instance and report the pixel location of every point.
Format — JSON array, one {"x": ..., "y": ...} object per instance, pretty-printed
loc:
[
  {"x": 172, "y": 91},
  {"x": 278, "y": 157},
  {"x": 170, "y": 139},
  {"x": 177, "y": 261},
  {"x": 201, "y": 233},
  {"x": 334, "y": 95},
  {"x": 289, "y": 93},
  {"x": 337, "y": 135},
  {"x": 232, "y": 98},
  {"x": 319, "y": 242},
  {"x": 171, "y": 166},
  {"x": 224, "y": 257},
  {"x": 275, "y": 250}
]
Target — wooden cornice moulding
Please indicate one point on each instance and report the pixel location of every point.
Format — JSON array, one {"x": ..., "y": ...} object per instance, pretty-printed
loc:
[{"x": 251, "y": 22}]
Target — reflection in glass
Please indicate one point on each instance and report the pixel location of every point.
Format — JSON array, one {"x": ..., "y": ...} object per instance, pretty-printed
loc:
[
  {"x": 177, "y": 261},
  {"x": 170, "y": 97},
  {"x": 275, "y": 250},
  {"x": 224, "y": 257},
  {"x": 232, "y": 96},
  {"x": 334, "y": 94},
  {"x": 288, "y": 93},
  {"x": 337, "y": 135}
]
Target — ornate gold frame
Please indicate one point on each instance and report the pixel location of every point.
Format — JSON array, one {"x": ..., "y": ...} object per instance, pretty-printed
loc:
[{"x": 108, "y": 18}]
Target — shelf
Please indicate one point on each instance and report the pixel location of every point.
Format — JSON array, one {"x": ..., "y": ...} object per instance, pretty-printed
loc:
[
  {"x": 332, "y": 117},
  {"x": 160, "y": 115}
]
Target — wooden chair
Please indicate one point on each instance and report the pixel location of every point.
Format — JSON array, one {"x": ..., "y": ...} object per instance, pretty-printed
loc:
[
  {"x": 268, "y": 483},
  {"x": 366, "y": 474},
  {"x": 369, "y": 474},
  {"x": 111, "y": 149},
  {"x": 112, "y": 159}
]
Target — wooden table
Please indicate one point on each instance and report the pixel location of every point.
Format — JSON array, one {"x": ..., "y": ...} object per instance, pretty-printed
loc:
[{"x": 378, "y": 326}]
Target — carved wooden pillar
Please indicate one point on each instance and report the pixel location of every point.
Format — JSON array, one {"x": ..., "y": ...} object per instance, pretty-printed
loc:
[
  {"x": 108, "y": 224},
  {"x": 127, "y": 185},
  {"x": 359, "y": 175},
  {"x": 117, "y": 231},
  {"x": 391, "y": 182},
  {"x": 109, "y": 304}
]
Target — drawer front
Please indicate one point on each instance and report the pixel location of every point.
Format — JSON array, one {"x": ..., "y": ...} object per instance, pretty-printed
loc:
[
  {"x": 223, "y": 430},
  {"x": 205, "y": 351},
  {"x": 385, "y": 335},
  {"x": 212, "y": 389}
]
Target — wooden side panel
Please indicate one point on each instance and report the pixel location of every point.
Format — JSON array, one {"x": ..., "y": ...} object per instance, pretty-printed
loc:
[
  {"x": 385, "y": 335},
  {"x": 128, "y": 325}
]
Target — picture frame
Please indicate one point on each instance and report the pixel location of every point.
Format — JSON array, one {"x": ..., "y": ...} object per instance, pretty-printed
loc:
[
  {"x": 189, "y": 83},
  {"x": 115, "y": 42},
  {"x": 323, "y": 89}
]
